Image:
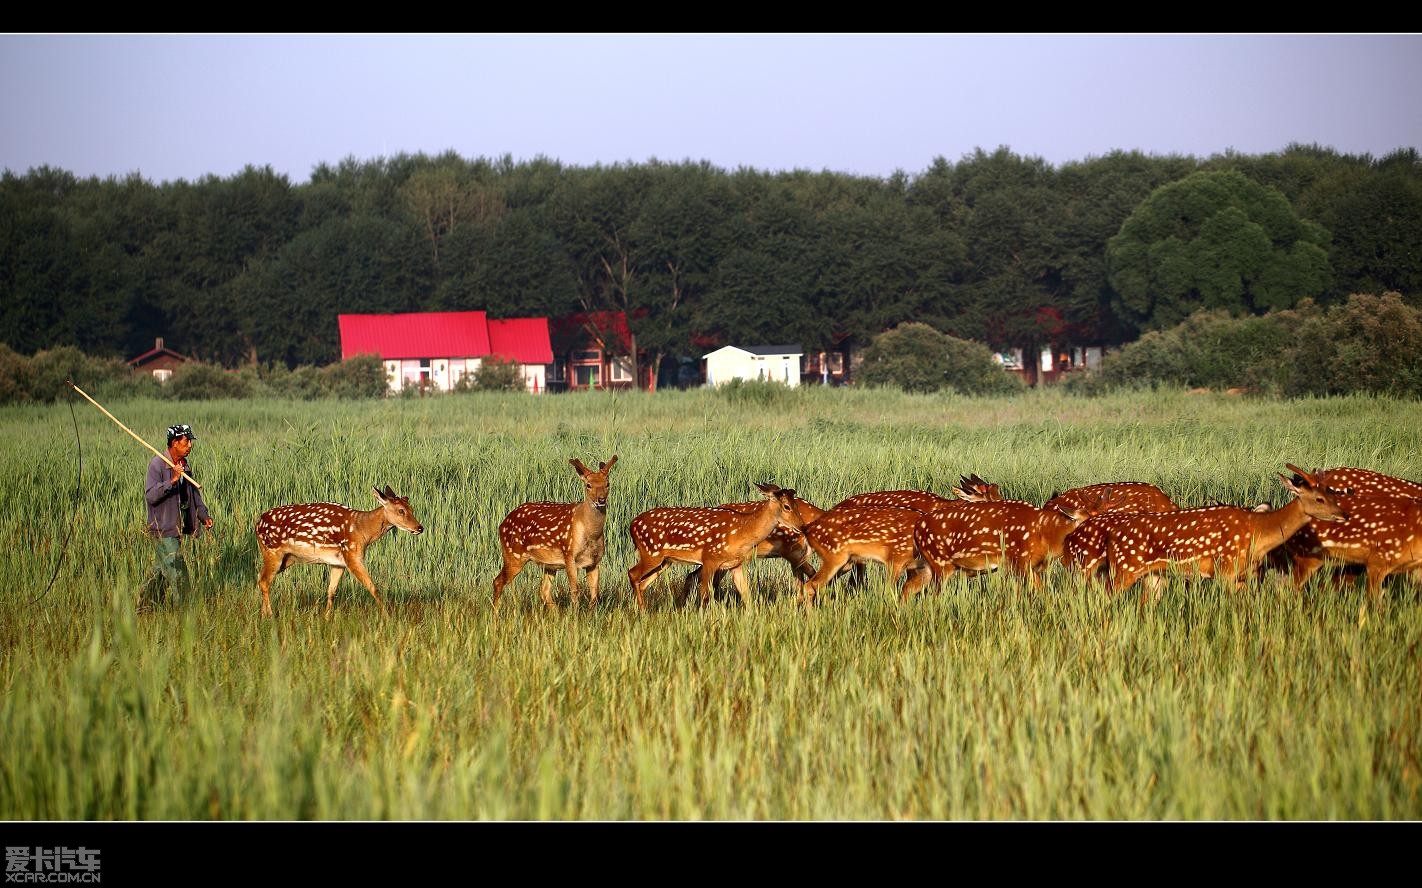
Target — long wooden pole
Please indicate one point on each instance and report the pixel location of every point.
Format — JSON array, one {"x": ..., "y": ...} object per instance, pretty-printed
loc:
[{"x": 162, "y": 456}]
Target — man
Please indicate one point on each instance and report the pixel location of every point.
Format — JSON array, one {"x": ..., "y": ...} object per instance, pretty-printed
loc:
[{"x": 175, "y": 507}]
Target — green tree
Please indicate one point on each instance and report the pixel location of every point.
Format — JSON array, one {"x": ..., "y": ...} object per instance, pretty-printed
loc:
[
  {"x": 918, "y": 358},
  {"x": 1215, "y": 240}
]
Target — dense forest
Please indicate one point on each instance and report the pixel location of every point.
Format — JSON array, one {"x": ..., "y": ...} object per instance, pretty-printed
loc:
[{"x": 996, "y": 247}]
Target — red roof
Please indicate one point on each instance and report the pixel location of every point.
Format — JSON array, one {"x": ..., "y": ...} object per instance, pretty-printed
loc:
[
  {"x": 435, "y": 334},
  {"x": 153, "y": 353},
  {"x": 524, "y": 340}
]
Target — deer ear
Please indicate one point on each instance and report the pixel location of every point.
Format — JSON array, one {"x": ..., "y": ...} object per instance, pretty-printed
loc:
[
  {"x": 767, "y": 488},
  {"x": 1301, "y": 475},
  {"x": 607, "y": 466},
  {"x": 390, "y": 494},
  {"x": 578, "y": 465},
  {"x": 1292, "y": 485},
  {"x": 786, "y": 493},
  {"x": 378, "y": 495}
]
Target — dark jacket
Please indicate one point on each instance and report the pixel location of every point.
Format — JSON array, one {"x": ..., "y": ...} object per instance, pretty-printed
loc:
[{"x": 164, "y": 517}]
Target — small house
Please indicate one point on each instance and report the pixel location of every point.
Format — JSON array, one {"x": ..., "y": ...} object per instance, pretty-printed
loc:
[
  {"x": 435, "y": 350},
  {"x": 158, "y": 360},
  {"x": 776, "y": 363},
  {"x": 593, "y": 350}
]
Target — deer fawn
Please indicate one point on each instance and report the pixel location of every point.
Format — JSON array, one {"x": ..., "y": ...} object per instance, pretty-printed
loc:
[
  {"x": 783, "y": 542},
  {"x": 327, "y": 533},
  {"x": 1218, "y": 540},
  {"x": 859, "y": 534},
  {"x": 980, "y": 536},
  {"x": 715, "y": 539},
  {"x": 558, "y": 536},
  {"x": 1382, "y": 533}
]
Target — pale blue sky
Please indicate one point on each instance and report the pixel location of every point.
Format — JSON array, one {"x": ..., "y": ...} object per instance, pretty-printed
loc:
[{"x": 184, "y": 106}]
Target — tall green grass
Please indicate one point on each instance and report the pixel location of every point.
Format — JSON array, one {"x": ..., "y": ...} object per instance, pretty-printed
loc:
[{"x": 988, "y": 700}]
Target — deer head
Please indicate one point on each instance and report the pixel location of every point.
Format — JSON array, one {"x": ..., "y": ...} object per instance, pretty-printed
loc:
[
  {"x": 1317, "y": 500},
  {"x": 397, "y": 510},
  {"x": 596, "y": 482}
]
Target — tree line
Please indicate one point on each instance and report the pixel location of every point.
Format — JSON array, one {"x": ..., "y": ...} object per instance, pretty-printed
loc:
[{"x": 996, "y": 247}]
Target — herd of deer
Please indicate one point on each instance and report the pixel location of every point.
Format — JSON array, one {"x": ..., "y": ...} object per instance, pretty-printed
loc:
[{"x": 1119, "y": 531}]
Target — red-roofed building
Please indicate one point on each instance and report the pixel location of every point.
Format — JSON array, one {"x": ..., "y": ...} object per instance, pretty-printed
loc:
[
  {"x": 436, "y": 349},
  {"x": 158, "y": 360},
  {"x": 593, "y": 350}
]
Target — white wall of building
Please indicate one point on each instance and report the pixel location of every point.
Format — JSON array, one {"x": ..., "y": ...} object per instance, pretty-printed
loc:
[{"x": 730, "y": 362}]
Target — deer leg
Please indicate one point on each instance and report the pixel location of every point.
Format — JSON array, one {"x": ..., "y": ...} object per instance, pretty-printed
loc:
[
  {"x": 1303, "y": 568},
  {"x": 896, "y": 570},
  {"x": 641, "y": 575},
  {"x": 571, "y": 566},
  {"x": 861, "y": 575},
  {"x": 592, "y": 584},
  {"x": 691, "y": 581},
  {"x": 512, "y": 565},
  {"x": 335, "y": 578},
  {"x": 830, "y": 565},
  {"x": 707, "y": 579},
  {"x": 718, "y": 582},
  {"x": 271, "y": 566},
  {"x": 356, "y": 566},
  {"x": 918, "y": 578},
  {"x": 545, "y": 589},
  {"x": 738, "y": 576},
  {"x": 1377, "y": 572}
]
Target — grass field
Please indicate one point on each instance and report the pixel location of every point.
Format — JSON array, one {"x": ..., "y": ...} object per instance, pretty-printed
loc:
[{"x": 990, "y": 700}]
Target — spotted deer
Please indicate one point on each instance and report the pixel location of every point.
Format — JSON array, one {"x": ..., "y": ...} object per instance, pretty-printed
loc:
[
  {"x": 1221, "y": 541},
  {"x": 859, "y": 534},
  {"x": 1346, "y": 479},
  {"x": 975, "y": 537},
  {"x": 1382, "y": 533},
  {"x": 558, "y": 536},
  {"x": 783, "y": 542},
  {"x": 918, "y": 500},
  {"x": 1116, "y": 496},
  {"x": 714, "y": 539},
  {"x": 331, "y": 534},
  {"x": 1085, "y": 547}
]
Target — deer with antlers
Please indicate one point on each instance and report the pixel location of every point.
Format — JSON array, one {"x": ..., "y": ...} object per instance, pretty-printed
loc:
[
  {"x": 330, "y": 534},
  {"x": 857, "y": 535},
  {"x": 1220, "y": 541},
  {"x": 714, "y": 539},
  {"x": 558, "y": 536}
]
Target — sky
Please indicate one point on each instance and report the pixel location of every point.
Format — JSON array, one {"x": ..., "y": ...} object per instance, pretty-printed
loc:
[{"x": 181, "y": 107}]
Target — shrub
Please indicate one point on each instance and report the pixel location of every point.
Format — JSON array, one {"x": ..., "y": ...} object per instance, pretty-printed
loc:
[
  {"x": 49, "y": 370},
  {"x": 15, "y": 376},
  {"x": 362, "y": 376},
  {"x": 756, "y": 392},
  {"x": 1369, "y": 344},
  {"x": 497, "y": 375},
  {"x": 1209, "y": 348},
  {"x": 918, "y": 358},
  {"x": 199, "y": 381}
]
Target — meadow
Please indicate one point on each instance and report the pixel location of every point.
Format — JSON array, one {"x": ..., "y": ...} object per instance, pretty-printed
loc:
[{"x": 987, "y": 700}]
